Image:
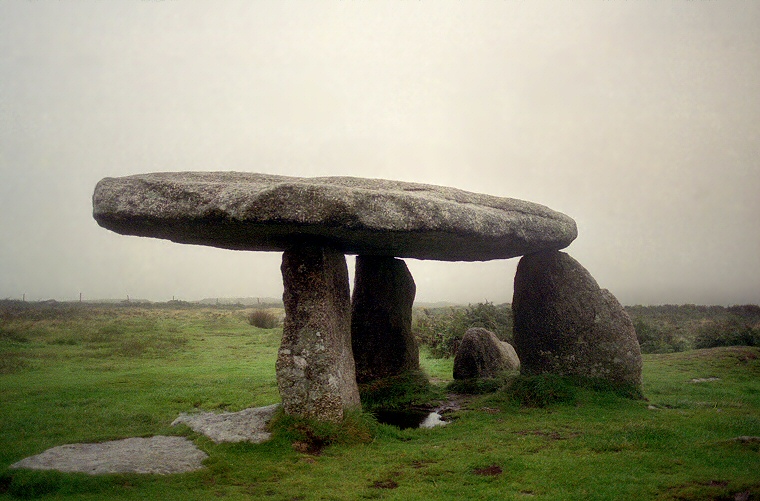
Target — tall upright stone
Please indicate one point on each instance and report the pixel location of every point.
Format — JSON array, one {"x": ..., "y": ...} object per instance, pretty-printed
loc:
[
  {"x": 315, "y": 366},
  {"x": 381, "y": 318},
  {"x": 565, "y": 324}
]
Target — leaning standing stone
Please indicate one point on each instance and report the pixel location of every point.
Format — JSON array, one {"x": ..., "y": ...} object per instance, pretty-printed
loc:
[
  {"x": 481, "y": 355},
  {"x": 381, "y": 318},
  {"x": 565, "y": 324},
  {"x": 315, "y": 365}
]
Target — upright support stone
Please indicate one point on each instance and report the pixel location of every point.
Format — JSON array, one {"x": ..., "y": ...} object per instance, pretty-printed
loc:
[
  {"x": 381, "y": 318},
  {"x": 315, "y": 365},
  {"x": 565, "y": 324}
]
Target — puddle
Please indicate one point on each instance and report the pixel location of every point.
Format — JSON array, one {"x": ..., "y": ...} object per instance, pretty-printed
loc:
[
  {"x": 411, "y": 418},
  {"x": 423, "y": 416}
]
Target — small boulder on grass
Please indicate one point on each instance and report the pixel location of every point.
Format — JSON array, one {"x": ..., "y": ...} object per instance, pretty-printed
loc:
[{"x": 481, "y": 355}]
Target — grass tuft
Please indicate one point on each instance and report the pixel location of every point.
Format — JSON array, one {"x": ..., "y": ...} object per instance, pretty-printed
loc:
[
  {"x": 541, "y": 390},
  {"x": 397, "y": 392},
  {"x": 475, "y": 386},
  {"x": 263, "y": 319},
  {"x": 312, "y": 437}
]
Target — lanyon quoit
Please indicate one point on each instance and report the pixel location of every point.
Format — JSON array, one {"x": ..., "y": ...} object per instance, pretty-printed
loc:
[{"x": 564, "y": 323}]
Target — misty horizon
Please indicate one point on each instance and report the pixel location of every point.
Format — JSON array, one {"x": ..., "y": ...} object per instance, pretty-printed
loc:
[{"x": 639, "y": 120}]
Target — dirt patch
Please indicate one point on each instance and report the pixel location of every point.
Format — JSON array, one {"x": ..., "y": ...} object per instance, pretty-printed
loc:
[
  {"x": 384, "y": 484},
  {"x": 311, "y": 447},
  {"x": 489, "y": 471},
  {"x": 552, "y": 435}
]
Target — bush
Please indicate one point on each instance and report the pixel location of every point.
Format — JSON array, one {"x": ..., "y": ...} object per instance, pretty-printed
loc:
[
  {"x": 442, "y": 331},
  {"x": 655, "y": 338},
  {"x": 730, "y": 332},
  {"x": 497, "y": 319},
  {"x": 263, "y": 319}
]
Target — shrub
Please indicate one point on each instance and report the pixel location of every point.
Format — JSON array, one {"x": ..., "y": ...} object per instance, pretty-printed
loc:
[
  {"x": 263, "y": 319},
  {"x": 655, "y": 338},
  {"x": 442, "y": 331},
  {"x": 730, "y": 332},
  {"x": 497, "y": 319}
]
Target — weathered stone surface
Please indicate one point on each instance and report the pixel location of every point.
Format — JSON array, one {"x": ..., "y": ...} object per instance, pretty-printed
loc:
[
  {"x": 565, "y": 324},
  {"x": 248, "y": 425},
  {"x": 481, "y": 355},
  {"x": 248, "y": 211},
  {"x": 158, "y": 455},
  {"x": 315, "y": 366},
  {"x": 381, "y": 318}
]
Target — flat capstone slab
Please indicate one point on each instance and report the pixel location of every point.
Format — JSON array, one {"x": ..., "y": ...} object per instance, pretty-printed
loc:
[
  {"x": 158, "y": 455},
  {"x": 261, "y": 212}
]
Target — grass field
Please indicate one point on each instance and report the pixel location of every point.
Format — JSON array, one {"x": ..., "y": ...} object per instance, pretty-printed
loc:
[{"x": 88, "y": 373}]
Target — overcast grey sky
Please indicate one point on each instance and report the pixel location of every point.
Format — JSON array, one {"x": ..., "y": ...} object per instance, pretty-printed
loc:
[{"x": 641, "y": 120}]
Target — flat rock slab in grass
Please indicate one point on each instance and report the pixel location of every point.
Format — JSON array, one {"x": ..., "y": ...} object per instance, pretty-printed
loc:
[
  {"x": 260, "y": 212},
  {"x": 159, "y": 455},
  {"x": 248, "y": 425}
]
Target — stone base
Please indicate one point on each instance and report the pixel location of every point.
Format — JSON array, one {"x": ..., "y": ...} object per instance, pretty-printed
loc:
[{"x": 315, "y": 365}]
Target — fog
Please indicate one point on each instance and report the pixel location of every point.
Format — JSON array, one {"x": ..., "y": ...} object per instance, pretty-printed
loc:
[{"x": 638, "y": 119}]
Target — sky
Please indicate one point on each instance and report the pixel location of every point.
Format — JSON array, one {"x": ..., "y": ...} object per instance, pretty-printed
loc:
[{"x": 640, "y": 120}]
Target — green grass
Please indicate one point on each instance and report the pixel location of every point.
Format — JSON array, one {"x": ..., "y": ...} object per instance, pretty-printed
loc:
[{"x": 98, "y": 374}]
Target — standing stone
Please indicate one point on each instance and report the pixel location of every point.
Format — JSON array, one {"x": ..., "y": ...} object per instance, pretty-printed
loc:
[
  {"x": 381, "y": 318},
  {"x": 481, "y": 355},
  {"x": 315, "y": 365},
  {"x": 565, "y": 324}
]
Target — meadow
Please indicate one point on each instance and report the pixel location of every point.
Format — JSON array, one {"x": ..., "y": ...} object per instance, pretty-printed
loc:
[{"x": 74, "y": 373}]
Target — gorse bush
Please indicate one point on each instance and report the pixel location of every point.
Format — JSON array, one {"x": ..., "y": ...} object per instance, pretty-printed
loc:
[
  {"x": 670, "y": 328},
  {"x": 442, "y": 330},
  {"x": 655, "y": 338},
  {"x": 263, "y": 319},
  {"x": 730, "y": 332}
]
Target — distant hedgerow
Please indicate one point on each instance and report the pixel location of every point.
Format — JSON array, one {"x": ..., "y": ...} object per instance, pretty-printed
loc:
[{"x": 730, "y": 332}]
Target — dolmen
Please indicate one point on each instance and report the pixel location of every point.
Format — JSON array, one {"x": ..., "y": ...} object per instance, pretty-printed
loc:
[{"x": 330, "y": 339}]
